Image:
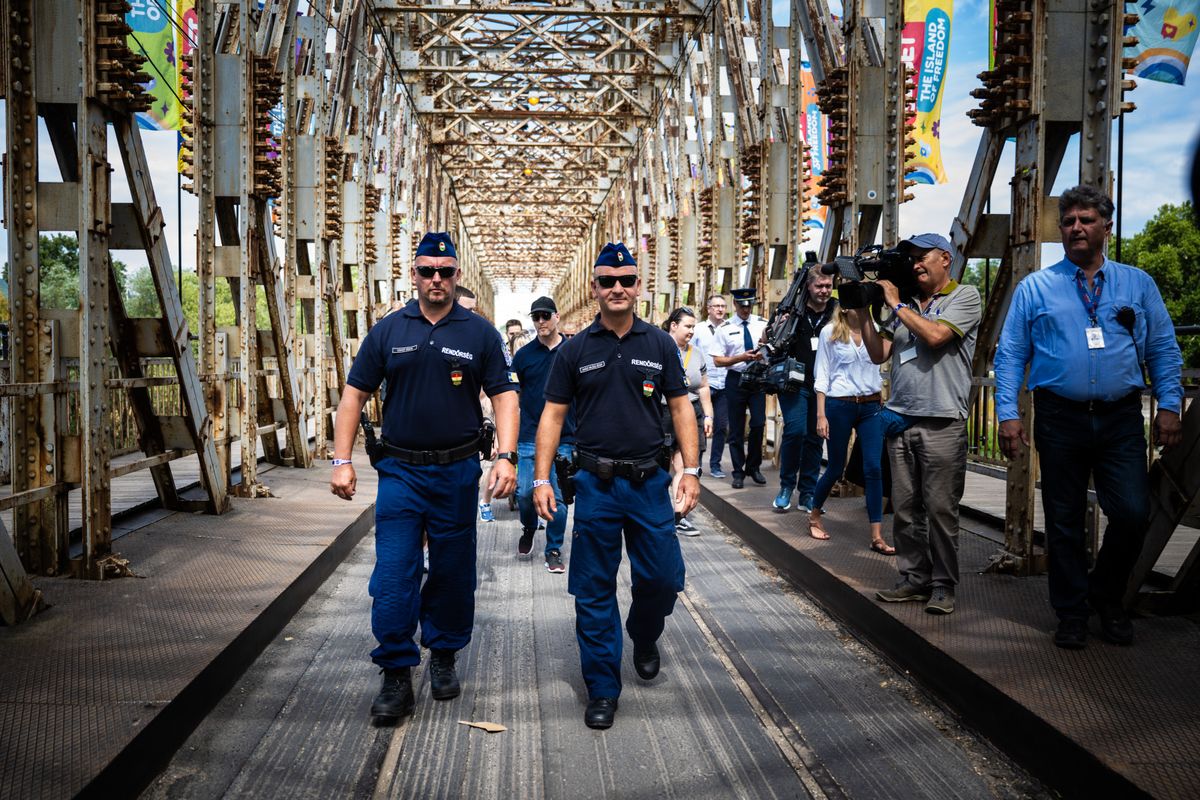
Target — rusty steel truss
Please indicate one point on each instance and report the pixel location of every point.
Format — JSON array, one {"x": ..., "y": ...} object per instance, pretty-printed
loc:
[{"x": 532, "y": 131}]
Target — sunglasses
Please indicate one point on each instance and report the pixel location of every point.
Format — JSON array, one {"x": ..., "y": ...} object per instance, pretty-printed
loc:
[
  {"x": 445, "y": 273},
  {"x": 540, "y": 316},
  {"x": 609, "y": 281}
]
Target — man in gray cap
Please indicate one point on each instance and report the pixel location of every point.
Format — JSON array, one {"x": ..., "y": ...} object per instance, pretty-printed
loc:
[
  {"x": 531, "y": 365},
  {"x": 930, "y": 339}
]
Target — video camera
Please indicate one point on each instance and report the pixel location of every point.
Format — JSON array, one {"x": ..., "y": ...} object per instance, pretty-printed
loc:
[
  {"x": 778, "y": 372},
  {"x": 859, "y": 273}
]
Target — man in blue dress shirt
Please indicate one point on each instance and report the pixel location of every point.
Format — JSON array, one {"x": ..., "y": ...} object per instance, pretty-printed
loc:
[{"x": 1085, "y": 327}]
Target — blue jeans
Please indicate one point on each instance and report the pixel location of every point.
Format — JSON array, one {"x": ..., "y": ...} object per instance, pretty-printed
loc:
[
  {"x": 1111, "y": 447},
  {"x": 865, "y": 418},
  {"x": 556, "y": 528},
  {"x": 800, "y": 446},
  {"x": 413, "y": 500},
  {"x": 720, "y": 429},
  {"x": 643, "y": 512}
]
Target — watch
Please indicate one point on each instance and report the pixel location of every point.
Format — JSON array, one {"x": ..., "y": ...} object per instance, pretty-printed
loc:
[
  {"x": 509, "y": 456},
  {"x": 690, "y": 471}
]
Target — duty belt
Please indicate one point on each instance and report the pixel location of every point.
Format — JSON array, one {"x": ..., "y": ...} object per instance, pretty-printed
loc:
[
  {"x": 425, "y": 457},
  {"x": 1089, "y": 406},
  {"x": 607, "y": 468}
]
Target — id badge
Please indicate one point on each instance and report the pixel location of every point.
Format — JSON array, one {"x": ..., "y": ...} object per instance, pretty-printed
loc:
[
  {"x": 1095, "y": 339},
  {"x": 908, "y": 353},
  {"x": 812, "y": 343}
]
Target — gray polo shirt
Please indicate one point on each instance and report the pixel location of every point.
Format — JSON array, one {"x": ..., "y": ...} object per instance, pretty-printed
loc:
[{"x": 936, "y": 383}]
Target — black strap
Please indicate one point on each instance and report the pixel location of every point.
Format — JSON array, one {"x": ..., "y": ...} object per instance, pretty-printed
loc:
[
  {"x": 425, "y": 457},
  {"x": 607, "y": 468}
]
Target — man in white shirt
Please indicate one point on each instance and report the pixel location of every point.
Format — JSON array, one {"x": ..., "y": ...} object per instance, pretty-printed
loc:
[
  {"x": 705, "y": 338},
  {"x": 736, "y": 348}
]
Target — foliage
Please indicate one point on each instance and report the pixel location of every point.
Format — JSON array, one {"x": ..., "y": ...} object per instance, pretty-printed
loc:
[{"x": 1168, "y": 248}]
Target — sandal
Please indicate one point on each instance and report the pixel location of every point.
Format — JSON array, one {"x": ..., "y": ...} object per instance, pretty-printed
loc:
[
  {"x": 880, "y": 546},
  {"x": 817, "y": 532}
]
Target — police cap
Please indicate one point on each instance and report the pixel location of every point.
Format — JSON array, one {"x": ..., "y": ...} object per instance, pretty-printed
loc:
[{"x": 438, "y": 245}]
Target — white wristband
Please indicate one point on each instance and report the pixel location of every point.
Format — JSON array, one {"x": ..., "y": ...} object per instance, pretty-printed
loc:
[
  {"x": 337, "y": 462},
  {"x": 540, "y": 482}
]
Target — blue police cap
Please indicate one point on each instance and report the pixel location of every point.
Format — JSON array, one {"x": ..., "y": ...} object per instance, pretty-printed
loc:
[
  {"x": 929, "y": 241},
  {"x": 615, "y": 255},
  {"x": 744, "y": 297},
  {"x": 437, "y": 245}
]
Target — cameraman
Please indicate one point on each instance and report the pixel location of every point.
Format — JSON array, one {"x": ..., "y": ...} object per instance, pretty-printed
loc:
[
  {"x": 930, "y": 339},
  {"x": 800, "y": 447}
]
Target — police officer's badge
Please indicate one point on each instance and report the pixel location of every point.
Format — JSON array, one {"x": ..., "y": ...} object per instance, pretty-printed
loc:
[
  {"x": 442, "y": 247},
  {"x": 620, "y": 256},
  {"x": 456, "y": 377},
  {"x": 647, "y": 388}
]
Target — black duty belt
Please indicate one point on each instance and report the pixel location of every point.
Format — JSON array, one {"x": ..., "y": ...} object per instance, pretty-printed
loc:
[
  {"x": 1134, "y": 398},
  {"x": 425, "y": 457},
  {"x": 608, "y": 468}
]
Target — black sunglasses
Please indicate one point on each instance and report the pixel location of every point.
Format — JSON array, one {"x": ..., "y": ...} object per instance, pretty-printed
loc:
[
  {"x": 446, "y": 273},
  {"x": 540, "y": 316},
  {"x": 609, "y": 281}
]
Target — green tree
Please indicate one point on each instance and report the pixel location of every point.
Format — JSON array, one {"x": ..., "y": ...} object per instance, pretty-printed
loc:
[{"x": 1168, "y": 248}]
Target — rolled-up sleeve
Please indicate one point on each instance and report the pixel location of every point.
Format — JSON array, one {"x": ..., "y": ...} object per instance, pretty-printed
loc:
[
  {"x": 1012, "y": 354},
  {"x": 821, "y": 378}
]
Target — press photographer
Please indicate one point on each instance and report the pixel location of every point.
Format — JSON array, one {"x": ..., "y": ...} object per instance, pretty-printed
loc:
[
  {"x": 930, "y": 339},
  {"x": 790, "y": 343}
]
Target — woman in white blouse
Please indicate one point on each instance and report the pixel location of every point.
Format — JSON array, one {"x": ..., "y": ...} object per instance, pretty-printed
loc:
[{"x": 848, "y": 387}]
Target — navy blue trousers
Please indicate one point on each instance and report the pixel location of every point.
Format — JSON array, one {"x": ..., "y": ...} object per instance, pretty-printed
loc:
[
  {"x": 745, "y": 449},
  {"x": 645, "y": 514},
  {"x": 1111, "y": 448},
  {"x": 412, "y": 500},
  {"x": 716, "y": 444}
]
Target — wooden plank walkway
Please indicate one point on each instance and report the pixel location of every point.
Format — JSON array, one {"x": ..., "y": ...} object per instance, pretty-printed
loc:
[{"x": 760, "y": 696}]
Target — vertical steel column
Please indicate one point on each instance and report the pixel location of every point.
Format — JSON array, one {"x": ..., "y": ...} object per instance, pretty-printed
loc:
[
  {"x": 247, "y": 272},
  {"x": 35, "y": 525},
  {"x": 94, "y": 223}
]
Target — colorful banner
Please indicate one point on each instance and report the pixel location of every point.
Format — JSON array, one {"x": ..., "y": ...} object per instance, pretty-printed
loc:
[
  {"x": 813, "y": 131},
  {"x": 1167, "y": 33},
  {"x": 925, "y": 46},
  {"x": 154, "y": 38},
  {"x": 187, "y": 33}
]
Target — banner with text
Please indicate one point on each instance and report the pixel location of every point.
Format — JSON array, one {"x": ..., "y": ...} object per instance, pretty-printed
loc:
[
  {"x": 153, "y": 36},
  {"x": 1166, "y": 33},
  {"x": 925, "y": 47},
  {"x": 813, "y": 131}
]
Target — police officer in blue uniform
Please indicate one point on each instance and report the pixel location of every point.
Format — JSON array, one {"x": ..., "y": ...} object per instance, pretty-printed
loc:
[
  {"x": 616, "y": 373},
  {"x": 436, "y": 357}
]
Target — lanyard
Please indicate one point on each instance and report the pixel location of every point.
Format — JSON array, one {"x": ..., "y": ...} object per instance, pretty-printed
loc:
[
  {"x": 1090, "y": 302},
  {"x": 687, "y": 358}
]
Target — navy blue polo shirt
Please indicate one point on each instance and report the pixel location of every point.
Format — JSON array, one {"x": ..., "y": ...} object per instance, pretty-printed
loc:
[
  {"x": 617, "y": 386},
  {"x": 531, "y": 365},
  {"x": 434, "y": 375}
]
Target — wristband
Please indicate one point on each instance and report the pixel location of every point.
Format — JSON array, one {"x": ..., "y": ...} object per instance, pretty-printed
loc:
[
  {"x": 899, "y": 306},
  {"x": 540, "y": 482},
  {"x": 337, "y": 462}
]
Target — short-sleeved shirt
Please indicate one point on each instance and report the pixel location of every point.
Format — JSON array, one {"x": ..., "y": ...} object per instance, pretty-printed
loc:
[
  {"x": 531, "y": 365},
  {"x": 706, "y": 338},
  {"x": 694, "y": 370},
  {"x": 731, "y": 338},
  {"x": 936, "y": 382},
  {"x": 617, "y": 385},
  {"x": 434, "y": 373}
]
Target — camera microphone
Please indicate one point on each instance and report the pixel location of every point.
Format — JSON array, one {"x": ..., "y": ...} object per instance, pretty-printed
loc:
[{"x": 1126, "y": 316}]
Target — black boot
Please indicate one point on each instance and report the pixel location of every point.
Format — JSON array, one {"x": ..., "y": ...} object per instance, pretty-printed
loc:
[
  {"x": 395, "y": 698},
  {"x": 443, "y": 682},
  {"x": 646, "y": 661}
]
